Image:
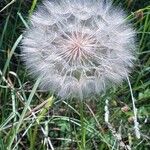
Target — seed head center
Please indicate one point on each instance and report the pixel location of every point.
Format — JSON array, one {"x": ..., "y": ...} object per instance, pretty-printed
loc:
[{"x": 77, "y": 45}]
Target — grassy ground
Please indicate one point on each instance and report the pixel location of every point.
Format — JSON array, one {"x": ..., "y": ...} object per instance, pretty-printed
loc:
[{"x": 30, "y": 119}]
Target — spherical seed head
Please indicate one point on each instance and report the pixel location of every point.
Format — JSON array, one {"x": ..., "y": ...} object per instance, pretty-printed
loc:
[{"x": 79, "y": 47}]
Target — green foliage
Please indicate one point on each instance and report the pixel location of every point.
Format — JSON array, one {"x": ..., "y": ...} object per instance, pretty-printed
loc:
[{"x": 69, "y": 124}]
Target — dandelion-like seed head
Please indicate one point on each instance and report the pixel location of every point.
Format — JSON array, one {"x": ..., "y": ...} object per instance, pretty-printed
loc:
[{"x": 79, "y": 47}]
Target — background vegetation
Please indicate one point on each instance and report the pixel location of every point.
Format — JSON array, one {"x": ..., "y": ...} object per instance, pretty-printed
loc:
[{"x": 29, "y": 119}]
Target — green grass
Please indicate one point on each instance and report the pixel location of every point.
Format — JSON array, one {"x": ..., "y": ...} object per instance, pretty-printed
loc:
[{"x": 29, "y": 120}]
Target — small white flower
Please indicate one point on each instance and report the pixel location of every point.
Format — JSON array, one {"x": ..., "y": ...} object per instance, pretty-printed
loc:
[{"x": 79, "y": 47}]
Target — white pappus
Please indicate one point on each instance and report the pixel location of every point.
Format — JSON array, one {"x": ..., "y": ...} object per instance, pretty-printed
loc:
[{"x": 79, "y": 47}]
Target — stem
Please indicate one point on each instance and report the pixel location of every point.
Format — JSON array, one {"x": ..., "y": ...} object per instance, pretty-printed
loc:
[
  {"x": 32, "y": 7},
  {"x": 136, "y": 124},
  {"x": 83, "y": 141},
  {"x": 39, "y": 119},
  {"x": 23, "y": 114}
]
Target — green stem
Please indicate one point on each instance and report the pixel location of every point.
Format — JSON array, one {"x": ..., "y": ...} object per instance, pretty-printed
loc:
[
  {"x": 40, "y": 117},
  {"x": 83, "y": 131},
  {"x": 32, "y": 7},
  {"x": 23, "y": 114}
]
